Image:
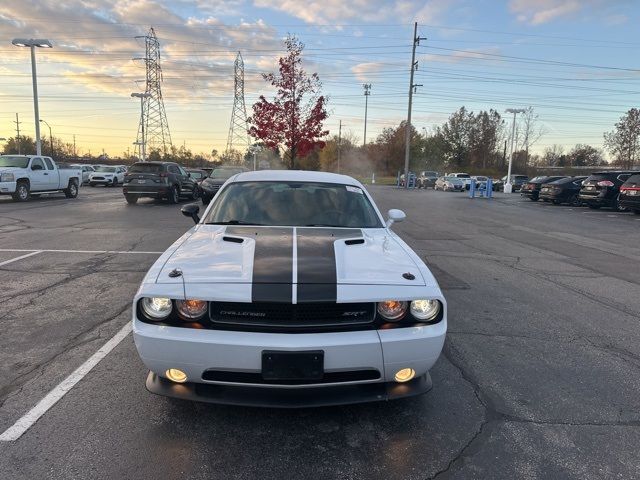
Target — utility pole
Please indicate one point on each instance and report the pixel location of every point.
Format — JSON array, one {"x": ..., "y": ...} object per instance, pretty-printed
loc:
[
  {"x": 507, "y": 185},
  {"x": 367, "y": 92},
  {"x": 412, "y": 87},
  {"x": 339, "y": 144},
  {"x": 17, "y": 122}
]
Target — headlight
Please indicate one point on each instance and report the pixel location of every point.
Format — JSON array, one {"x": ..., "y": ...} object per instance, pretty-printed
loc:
[
  {"x": 157, "y": 308},
  {"x": 191, "y": 309},
  {"x": 392, "y": 309},
  {"x": 7, "y": 177},
  {"x": 425, "y": 309}
]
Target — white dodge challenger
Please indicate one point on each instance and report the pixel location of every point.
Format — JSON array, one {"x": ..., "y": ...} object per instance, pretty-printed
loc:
[{"x": 290, "y": 291}]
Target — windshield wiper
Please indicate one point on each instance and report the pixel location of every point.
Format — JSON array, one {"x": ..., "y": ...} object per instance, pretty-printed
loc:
[
  {"x": 324, "y": 225},
  {"x": 233, "y": 222}
]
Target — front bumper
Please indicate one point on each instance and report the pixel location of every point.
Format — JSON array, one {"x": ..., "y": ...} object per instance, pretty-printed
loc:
[
  {"x": 281, "y": 398},
  {"x": 195, "y": 351},
  {"x": 101, "y": 181},
  {"x": 7, "y": 188}
]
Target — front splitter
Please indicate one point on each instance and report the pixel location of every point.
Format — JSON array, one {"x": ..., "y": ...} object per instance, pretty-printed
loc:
[{"x": 288, "y": 397}]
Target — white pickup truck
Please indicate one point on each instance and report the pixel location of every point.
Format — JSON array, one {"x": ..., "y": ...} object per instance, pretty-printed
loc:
[{"x": 24, "y": 175}]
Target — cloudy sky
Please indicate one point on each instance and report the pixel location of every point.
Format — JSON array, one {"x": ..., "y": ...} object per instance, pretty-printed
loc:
[{"x": 575, "y": 61}]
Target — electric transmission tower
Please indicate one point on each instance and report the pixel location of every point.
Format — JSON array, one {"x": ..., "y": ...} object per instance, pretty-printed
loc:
[
  {"x": 238, "y": 129},
  {"x": 153, "y": 131}
]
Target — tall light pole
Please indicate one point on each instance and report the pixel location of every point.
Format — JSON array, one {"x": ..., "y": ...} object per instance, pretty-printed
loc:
[
  {"x": 508, "y": 187},
  {"x": 367, "y": 92},
  {"x": 142, "y": 142},
  {"x": 50, "y": 136},
  {"x": 33, "y": 43}
]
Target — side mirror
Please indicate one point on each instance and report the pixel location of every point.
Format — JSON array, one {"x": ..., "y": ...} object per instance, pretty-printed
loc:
[
  {"x": 395, "y": 215},
  {"x": 188, "y": 174},
  {"x": 191, "y": 210}
]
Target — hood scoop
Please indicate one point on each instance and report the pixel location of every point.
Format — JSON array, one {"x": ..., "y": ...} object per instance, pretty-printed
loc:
[
  {"x": 354, "y": 241},
  {"x": 232, "y": 239}
]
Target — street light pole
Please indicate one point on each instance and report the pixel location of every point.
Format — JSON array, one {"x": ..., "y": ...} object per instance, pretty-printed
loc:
[
  {"x": 32, "y": 43},
  {"x": 143, "y": 141},
  {"x": 508, "y": 187},
  {"x": 50, "y": 136},
  {"x": 367, "y": 92}
]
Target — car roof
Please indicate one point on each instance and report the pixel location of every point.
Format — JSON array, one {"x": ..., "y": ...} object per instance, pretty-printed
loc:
[{"x": 294, "y": 175}]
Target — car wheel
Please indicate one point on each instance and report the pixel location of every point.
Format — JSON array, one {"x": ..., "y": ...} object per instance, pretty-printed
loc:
[
  {"x": 174, "y": 195},
  {"x": 22, "y": 192},
  {"x": 92, "y": 184},
  {"x": 131, "y": 199},
  {"x": 573, "y": 200},
  {"x": 195, "y": 195},
  {"x": 556, "y": 202},
  {"x": 617, "y": 207},
  {"x": 533, "y": 199},
  {"x": 637, "y": 212},
  {"x": 72, "y": 190},
  {"x": 594, "y": 207},
  {"x": 114, "y": 183}
]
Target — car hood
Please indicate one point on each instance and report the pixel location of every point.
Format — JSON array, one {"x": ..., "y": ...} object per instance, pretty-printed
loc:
[
  {"x": 214, "y": 181},
  {"x": 238, "y": 255}
]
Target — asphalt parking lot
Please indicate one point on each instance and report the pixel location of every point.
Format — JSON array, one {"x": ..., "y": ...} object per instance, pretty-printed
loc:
[{"x": 539, "y": 378}]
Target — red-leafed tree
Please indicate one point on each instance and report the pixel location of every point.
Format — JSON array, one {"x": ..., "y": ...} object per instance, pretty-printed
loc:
[{"x": 293, "y": 119}]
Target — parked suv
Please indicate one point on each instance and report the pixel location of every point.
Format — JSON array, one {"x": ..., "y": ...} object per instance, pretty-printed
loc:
[
  {"x": 630, "y": 194},
  {"x": 159, "y": 180},
  {"x": 602, "y": 189},
  {"x": 216, "y": 179},
  {"x": 517, "y": 181},
  {"x": 532, "y": 188}
]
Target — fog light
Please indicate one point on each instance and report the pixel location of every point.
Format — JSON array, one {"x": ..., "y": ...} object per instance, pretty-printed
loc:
[
  {"x": 179, "y": 376},
  {"x": 405, "y": 375}
]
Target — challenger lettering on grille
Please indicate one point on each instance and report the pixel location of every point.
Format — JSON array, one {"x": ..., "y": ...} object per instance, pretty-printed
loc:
[{"x": 236, "y": 313}]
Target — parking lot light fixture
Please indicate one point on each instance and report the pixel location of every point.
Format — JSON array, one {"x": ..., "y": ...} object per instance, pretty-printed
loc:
[
  {"x": 508, "y": 188},
  {"x": 142, "y": 142},
  {"x": 32, "y": 43}
]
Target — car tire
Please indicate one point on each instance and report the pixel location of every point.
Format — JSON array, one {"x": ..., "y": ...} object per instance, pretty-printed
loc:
[
  {"x": 72, "y": 190},
  {"x": 131, "y": 199},
  {"x": 92, "y": 184},
  {"x": 22, "y": 192},
  {"x": 195, "y": 194},
  {"x": 574, "y": 201},
  {"x": 533, "y": 199},
  {"x": 594, "y": 207},
  {"x": 637, "y": 212},
  {"x": 174, "y": 195},
  {"x": 114, "y": 183},
  {"x": 556, "y": 202},
  {"x": 616, "y": 205}
]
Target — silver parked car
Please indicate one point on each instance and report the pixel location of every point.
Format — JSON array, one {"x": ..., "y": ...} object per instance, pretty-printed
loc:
[
  {"x": 87, "y": 170},
  {"x": 449, "y": 184}
]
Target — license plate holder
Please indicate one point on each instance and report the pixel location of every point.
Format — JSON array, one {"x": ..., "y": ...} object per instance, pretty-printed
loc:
[
  {"x": 291, "y": 366},
  {"x": 142, "y": 181}
]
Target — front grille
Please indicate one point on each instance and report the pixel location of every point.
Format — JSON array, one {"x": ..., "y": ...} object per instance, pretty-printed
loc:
[
  {"x": 291, "y": 317},
  {"x": 256, "y": 377}
]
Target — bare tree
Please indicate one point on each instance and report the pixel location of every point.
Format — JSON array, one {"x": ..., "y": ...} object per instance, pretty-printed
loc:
[{"x": 528, "y": 132}]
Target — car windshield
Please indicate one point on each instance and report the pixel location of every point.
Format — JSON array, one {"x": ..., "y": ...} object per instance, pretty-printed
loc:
[
  {"x": 463, "y": 175},
  {"x": 297, "y": 204},
  {"x": 224, "y": 173},
  {"x": 106, "y": 169},
  {"x": 453, "y": 179},
  {"x": 13, "y": 161},
  {"x": 146, "y": 168},
  {"x": 537, "y": 179},
  {"x": 430, "y": 174}
]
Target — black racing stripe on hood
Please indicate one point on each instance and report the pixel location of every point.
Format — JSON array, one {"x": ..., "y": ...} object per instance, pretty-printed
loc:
[
  {"x": 272, "y": 262},
  {"x": 317, "y": 281}
]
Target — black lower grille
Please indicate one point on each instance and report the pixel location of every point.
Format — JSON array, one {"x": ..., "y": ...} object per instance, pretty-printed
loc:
[
  {"x": 256, "y": 377},
  {"x": 288, "y": 316}
]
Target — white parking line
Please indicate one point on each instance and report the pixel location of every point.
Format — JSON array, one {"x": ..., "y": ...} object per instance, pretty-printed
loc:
[
  {"x": 7, "y": 262},
  {"x": 28, "y": 419},
  {"x": 73, "y": 251}
]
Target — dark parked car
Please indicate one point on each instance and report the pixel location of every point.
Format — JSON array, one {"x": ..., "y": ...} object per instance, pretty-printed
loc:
[
  {"x": 210, "y": 185},
  {"x": 565, "y": 190},
  {"x": 427, "y": 179},
  {"x": 197, "y": 175},
  {"x": 532, "y": 188},
  {"x": 517, "y": 181},
  {"x": 630, "y": 194},
  {"x": 602, "y": 189},
  {"x": 159, "y": 180}
]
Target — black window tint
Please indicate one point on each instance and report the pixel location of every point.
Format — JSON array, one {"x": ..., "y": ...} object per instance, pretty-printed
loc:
[
  {"x": 624, "y": 177},
  {"x": 173, "y": 169},
  {"x": 146, "y": 168},
  {"x": 293, "y": 204},
  {"x": 49, "y": 164},
  {"x": 633, "y": 180},
  {"x": 36, "y": 162}
]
